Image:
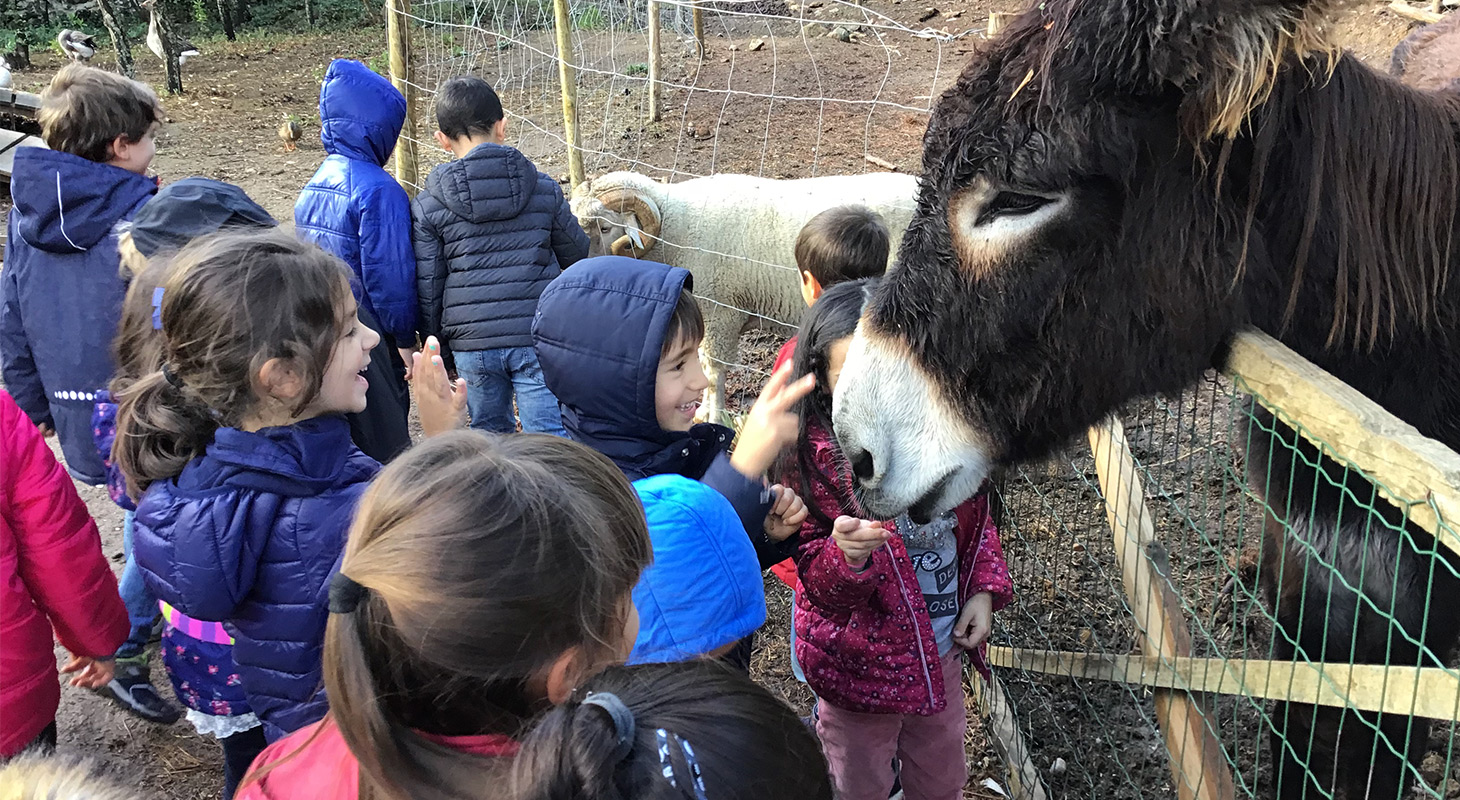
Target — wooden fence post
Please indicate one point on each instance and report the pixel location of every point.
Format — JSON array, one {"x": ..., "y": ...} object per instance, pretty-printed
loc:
[
  {"x": 398, "y": 34},
  {"x": 998, "y": 713},
  {"x": 699, "y": 23},
  {"x": 654, "y": 55},
  {"x": 1198, "y": 765},
  {"x": 568, "y": 77}
]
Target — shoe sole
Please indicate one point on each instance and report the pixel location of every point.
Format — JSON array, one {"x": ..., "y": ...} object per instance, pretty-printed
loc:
[{"x": 124, "y": 699}]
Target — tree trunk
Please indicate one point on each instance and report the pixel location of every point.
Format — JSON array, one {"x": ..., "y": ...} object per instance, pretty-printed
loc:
[
  {"x": 119, "y": 37},
  {"x": 226, "y": 17},
  {"x": 19, "y": 58},
  {"x": 309, "y": 12},
  {"x": 243, "y": 14},
  {"x": 43, "y": 12},
  {"x": 169, "y": 46}
]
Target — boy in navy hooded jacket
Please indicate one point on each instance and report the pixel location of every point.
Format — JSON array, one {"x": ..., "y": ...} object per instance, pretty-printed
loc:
[{"x": 618, "y": 341}]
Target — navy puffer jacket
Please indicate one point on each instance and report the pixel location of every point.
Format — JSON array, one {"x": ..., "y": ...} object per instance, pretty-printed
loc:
[
  {"x": 249, "y": 535},
  {"x": 62, "y": 296},
  {"x": 490, "y": 233},
  {"x": 352, "y": 207}
]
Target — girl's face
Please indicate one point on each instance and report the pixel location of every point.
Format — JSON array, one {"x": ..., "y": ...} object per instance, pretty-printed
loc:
[
  {"x": 836, "y": 356},
  {"x": 343, "y": 389}
]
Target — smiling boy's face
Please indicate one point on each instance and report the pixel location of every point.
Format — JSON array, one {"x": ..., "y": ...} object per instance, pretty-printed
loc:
[{"x": 679, "y": 385}]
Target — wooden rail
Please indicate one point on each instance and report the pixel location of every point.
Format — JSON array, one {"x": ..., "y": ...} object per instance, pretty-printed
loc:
[
  {"x": 21, "y": 104},
  {"x": 1405, "y": 465}
]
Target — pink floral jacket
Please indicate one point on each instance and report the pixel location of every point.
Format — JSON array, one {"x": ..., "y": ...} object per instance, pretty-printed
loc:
[{"x": 864, "y": 639}]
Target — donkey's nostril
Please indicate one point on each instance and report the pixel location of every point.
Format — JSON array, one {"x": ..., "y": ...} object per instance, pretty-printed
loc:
[{"x": 862, "y": 466}]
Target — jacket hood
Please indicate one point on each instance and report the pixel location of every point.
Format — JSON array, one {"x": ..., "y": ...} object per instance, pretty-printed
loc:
[
  {"x": 360, "y": 113},
  {"x": 300, "y": 460},
  {"x": 70, "y": 204},
  {"x": 704, "y": 589},
  {"x": 492, "y": 182},
  {"x": 598, "y": 332}
]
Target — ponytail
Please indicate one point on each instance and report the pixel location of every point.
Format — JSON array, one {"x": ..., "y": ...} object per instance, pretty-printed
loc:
[
  {"x": 159, "y": 430},
  {"x": 695, "y": 731}
]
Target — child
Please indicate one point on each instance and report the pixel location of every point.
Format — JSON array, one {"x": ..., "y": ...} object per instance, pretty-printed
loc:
[
  {"x": 62, "y": 295},
  {"x": 669, "y": 732},
  {"x": 485, "y": 577},
  {"x": 198, "y": 655},
  {"x": 52, "y": 576},
  {"x": 618, "y": 340},
  {"x": 353, "y": 208},
  {"x": 881, "y": 602},
  {"x": 239, "y": 443},
  {"x": 490, "y": 232}
]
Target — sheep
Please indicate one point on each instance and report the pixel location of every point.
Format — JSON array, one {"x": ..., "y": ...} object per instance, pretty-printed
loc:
[{"x": 736, "y": 234}]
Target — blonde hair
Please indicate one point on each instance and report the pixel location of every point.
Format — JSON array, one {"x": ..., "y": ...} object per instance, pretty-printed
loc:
[
  {"x": 132, "y": 260},
  {"x": 50, "y": 777},
  {"x": 85, "y": 109}
]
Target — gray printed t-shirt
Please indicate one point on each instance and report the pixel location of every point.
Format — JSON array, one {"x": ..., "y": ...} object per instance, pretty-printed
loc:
[{"x": 933, "y": 549}]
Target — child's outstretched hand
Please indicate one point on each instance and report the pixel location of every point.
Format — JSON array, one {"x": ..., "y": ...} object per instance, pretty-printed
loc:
[
  {"x": 858, "y": 538},
  {"x": 786, "y": 514},
  {"x": 772, "y": 424},
  {"x": 442, "y": 404},
  {"x": 94, "y": 673},
  {"x": 975, "y": 621}
]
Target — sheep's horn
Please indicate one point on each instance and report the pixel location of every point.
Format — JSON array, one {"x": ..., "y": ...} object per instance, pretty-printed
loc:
[{"x": 625, "y": 200}]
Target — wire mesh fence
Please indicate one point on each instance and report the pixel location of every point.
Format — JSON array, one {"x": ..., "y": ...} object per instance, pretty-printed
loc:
[{"x": 1210, "y": 514}]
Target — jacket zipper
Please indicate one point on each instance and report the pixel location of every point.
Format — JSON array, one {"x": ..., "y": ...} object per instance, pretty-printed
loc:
[{"x": 922, "y": 653}]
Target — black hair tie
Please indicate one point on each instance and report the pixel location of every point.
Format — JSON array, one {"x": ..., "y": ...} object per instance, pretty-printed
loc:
[
  {"x": 345, "y": 594},
  {"x": 623, "y": 721},
  {"x": 171, "y": 377}
]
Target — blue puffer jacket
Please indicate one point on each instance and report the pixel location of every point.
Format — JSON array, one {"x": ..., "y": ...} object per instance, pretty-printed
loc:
[
  {"x": 490, "y": 232},
  {"x": 352, "y": 207},
  {"x": 60, "y": 294},
  {"x": 598, "y": 332},
  {"x": 704, "y": 589},
  {"x": 249, "y": 535}
]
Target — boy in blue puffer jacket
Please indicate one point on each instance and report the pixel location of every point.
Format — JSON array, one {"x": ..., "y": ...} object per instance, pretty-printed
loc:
[
  {"x": 490, "y": 232},
  {"x": 353, "y": 208}
]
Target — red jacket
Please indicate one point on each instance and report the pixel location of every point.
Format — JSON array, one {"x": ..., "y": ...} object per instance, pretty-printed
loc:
[
  {"x": 314, "y": 763},
  {"x": 52, "y": 574},
  {"x": 864, "y": 639},
  {"x": 786, "y": 570}
]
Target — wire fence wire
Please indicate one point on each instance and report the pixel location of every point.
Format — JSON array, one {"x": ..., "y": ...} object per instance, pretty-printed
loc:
[{"x": 1098, "y": 738}]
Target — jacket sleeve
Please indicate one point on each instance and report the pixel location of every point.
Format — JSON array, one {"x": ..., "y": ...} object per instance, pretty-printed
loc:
[
  {"x": 570, "y": 242},
  {"x": 387, "y": 265},
  {"x": 827, "y": 580},
  {"x": 59, "y": 549},
  {"x": 17, "y": 364},
  {"x": 752, "y": 501},
  {"x": 430, "y": 271},
  {"x": 990, "y": 570}
]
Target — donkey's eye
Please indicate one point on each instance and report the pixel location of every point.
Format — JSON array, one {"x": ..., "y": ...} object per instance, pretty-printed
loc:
[{"x": 1010, "y": 204}]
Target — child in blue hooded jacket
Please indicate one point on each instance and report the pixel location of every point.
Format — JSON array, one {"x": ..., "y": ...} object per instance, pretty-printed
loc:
[{"x": 618, "y": 341}]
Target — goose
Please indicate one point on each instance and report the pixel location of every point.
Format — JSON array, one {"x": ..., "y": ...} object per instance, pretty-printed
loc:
[
  {"x": 76, "y": 45},
  {"x": 4, "y": 73},
  {"x": 185, "y": 49}
]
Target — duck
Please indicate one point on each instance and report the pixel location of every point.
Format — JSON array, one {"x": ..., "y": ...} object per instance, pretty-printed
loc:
[
  {"x": 76, "y": 45},
  {"x": 185, "y": 49},
  {"x": 289, "y": 133},
  {"x": 4, "y": 73}
]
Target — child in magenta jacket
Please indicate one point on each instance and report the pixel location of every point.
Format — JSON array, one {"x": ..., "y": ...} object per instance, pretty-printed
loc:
[{"x": 886, "y": 609}]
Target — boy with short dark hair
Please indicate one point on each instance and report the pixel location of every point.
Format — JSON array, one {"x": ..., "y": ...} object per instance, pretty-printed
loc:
[
  {"x": 490, "y": 233},
  {"x": 845, "y": 243},
  {"x": 62, "y": 293},
  {"x": 618, "y": 339}
]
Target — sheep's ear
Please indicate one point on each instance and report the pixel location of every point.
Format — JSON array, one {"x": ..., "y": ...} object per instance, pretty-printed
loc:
[{"x": 1222, "y": 56}]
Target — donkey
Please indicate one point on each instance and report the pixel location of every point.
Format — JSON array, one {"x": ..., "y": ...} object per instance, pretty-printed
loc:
[{"x": 1112, "y": 190}]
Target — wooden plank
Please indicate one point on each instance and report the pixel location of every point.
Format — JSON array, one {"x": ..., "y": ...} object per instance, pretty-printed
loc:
[
  {"x": 21, "y": 104},
  {"x": 1404, "y": 9},
  {"x": 1198, "y": 763},
  {"x": 998, "y": 714},
  {"x": 10, "y": 141},
  {"x": 1406, "y": 465},
  {"x": 568, "y": 84},
  {"x": 1429, "y": 692}
]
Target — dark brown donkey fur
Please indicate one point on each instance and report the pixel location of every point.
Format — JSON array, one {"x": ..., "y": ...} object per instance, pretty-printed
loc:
[{"x": 1225, "y": 167}]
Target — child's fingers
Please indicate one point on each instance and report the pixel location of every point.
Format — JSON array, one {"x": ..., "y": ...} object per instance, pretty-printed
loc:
[
  {"x": 76, "y": 663},
  {"x": 792, "y": 394}
]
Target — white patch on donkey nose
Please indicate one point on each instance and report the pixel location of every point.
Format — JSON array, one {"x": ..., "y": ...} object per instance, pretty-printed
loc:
[{"x": 906, "y": 446}]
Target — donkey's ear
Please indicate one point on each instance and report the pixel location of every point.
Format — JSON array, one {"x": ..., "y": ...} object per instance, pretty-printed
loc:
[{"x": 1222, "y": 55}]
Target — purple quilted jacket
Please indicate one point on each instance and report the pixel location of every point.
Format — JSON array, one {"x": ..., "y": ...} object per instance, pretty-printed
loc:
[{"x": 864, "y": 639}]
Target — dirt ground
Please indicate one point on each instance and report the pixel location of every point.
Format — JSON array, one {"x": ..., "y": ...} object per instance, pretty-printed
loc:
[{"x": 224, "y": 127}]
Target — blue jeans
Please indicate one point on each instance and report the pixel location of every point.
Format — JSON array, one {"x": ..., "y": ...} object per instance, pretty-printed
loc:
[
  {"x": 492, "y": 376},
  {"x": 141, "y": 605}
]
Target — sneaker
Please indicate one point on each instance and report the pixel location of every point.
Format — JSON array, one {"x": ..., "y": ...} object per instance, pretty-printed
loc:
[
  {"x": 896, "y": 793},
  {"x": 132, "y": 689}
]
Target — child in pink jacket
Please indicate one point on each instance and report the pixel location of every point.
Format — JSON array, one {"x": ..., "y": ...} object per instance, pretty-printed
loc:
[
  {"x": 886, "y": 609},
  {"x": 52, "y": 576}
]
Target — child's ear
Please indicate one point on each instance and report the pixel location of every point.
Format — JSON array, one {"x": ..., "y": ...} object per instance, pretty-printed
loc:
[
  {"x": 279, "y": 380},
  {"x": 445, "y": 141},
  {"x": 121, "y": 147},
  {"x": 810, "y": 288},
  {"x": 499, "y": 131},
  {"x": 564, "y": 675}
]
